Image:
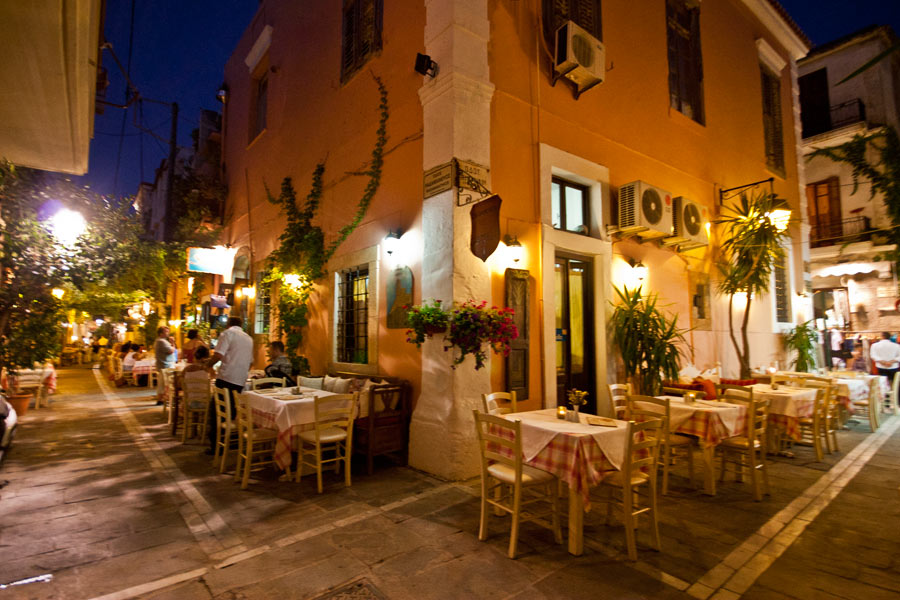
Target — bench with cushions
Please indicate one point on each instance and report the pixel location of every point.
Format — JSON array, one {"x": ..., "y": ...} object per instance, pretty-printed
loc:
[
  {"x": 382, "y": 426},
  {"x": 706, "y": 386}
]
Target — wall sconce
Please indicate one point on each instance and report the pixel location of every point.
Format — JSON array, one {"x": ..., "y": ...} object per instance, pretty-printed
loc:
[
  {"x": 392, "y": 241},
  {"x": 514, "y": 247},
  {"x": 250, "y": 292},
  {"x": 780, "y": 218},
  {"x": 640, "y": 271},
  {"x": 238, "y": 293},
  {"x": 425, "y": 66}
]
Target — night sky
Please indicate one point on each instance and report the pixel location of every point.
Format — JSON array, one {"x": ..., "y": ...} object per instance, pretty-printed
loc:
[{"x": 180, "y": 47}]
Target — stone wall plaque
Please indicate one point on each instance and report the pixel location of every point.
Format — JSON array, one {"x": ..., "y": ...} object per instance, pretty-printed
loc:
[
  {"x": 399, "y": 295},
  {"x": 438, "y": 180}
]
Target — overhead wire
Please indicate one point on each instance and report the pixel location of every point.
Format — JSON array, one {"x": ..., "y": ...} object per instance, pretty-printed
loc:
[{"x": 128, "y": 88}]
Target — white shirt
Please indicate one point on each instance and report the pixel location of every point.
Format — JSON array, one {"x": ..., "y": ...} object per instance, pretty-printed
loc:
[
  {"x": 236, "y": 348},
  {"x": 886, "y": 354}
]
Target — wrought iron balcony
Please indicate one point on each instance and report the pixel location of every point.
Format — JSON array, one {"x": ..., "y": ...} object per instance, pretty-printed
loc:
[
  {"x": 854, "y": 229},
  {"x": 840, "y": 115}
]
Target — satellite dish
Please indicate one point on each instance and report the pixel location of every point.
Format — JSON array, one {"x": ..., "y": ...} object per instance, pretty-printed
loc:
[
  {"x": 692, "y": 220},
  {"x": 651, "y": 206}
]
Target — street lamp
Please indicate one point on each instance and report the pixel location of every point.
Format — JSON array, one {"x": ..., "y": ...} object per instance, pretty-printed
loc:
[{"x": 67, "y": 226}]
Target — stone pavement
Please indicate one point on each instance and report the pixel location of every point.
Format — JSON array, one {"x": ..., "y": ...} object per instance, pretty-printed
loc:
[{"x": 103, "y": 499}]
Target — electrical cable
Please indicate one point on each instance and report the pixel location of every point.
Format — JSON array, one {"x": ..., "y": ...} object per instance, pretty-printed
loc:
[{"x": 128, "y": 87}]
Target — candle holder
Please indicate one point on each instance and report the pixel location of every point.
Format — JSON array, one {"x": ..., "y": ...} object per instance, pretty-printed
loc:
[
  {"x": 690, "y": 398},
  {"x": 561, "y": 412}
]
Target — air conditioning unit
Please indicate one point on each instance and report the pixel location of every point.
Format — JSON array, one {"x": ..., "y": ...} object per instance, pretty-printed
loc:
[
  {"x": 645, "y": 210},
  {"x": 580, "y": 57},
  {"x": 689, "y": 220}
]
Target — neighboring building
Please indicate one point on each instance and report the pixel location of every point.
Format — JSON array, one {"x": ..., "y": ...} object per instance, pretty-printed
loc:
[
  {"x": 48, "y": 78},
  {"x": 854, "y": 286},
  {"x": 698, "y": 99},
  {"x": 152, "y": 199}
]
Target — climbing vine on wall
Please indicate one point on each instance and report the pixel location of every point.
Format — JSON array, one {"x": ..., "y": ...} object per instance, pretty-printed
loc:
[{"x": 302, "y": 253}]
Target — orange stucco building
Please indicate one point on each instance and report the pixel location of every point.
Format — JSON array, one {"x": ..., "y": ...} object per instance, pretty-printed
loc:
[{"x": 696, "y": 99}]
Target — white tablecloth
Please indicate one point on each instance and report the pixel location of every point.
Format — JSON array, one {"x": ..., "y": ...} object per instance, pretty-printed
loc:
[
  {"x": 788, "y": 401},
  {"x": 539, "y": 427}
]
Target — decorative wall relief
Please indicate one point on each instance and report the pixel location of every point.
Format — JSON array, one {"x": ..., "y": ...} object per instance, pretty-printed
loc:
[{"x": 399, "y": 295}]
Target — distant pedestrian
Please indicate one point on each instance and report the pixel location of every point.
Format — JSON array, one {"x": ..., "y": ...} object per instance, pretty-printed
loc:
[
  {"x": 886, "y": 356},
  {"x": 235, "y": 350}
]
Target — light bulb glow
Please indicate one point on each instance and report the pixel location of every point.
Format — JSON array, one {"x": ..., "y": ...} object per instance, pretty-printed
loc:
[{"x": 67, "y": 226}]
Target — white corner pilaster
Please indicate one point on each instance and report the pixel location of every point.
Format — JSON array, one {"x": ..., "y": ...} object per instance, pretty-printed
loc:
[{"x": 456, "y": 112}]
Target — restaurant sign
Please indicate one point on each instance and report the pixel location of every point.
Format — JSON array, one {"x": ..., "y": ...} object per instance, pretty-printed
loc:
[
  {"x": 218, "y": 260},
  {"x": 459, "y": 173}
]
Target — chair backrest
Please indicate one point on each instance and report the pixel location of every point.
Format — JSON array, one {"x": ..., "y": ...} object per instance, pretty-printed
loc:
[
  {"x": 647, "y": 408},
  {"x": 222, "y": 398},
  {"x": 787, "y": 379},
  {"x": 117, "y": 367},
  {"x": 336, "y": 412},
  {"x": 668, "y": 391},
  {"x": 642, "y": 447},
  {"x": 243, "y": 416},
  {"x": 618, "y": 393},
  {"x": 734, "y": 393},
  {"x": 196, "y": 389},
  {"x": 489, "y": 402},
  {"x": 386, "y": 399},
  {"x": 757, "y": 415},
  {"x": 268, "y": 382},
  {"x": 496, "y": 434},
  {"x": 807, "y": 379},
  {"x": 895, "y": 386}
]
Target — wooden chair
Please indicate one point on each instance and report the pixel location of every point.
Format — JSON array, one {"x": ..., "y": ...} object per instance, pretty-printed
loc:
[
  {"x": 868, "y": 407},
  {"x": 384, "y": 431},
  {"x": 333, "y": 431},
  {"x": 787, "y": 379},
  {"x": 618, "y": 393},
  {"x": 226, "y": 429},
  {"x": 734, "y": 393},
  {"x": 509, "y": 486},
  {"x": 275, "y": 382},
  {"x": 153, "y": 379},
  {"x": 490, "y": 404},
  {"x": 195, "y": 407},
  {"x": 669, "y": 391},
  {"x": 638, "y": 474},
  {"x": 168, "y": 376},
  {"x": 893, "y": 400},
  {"x": 659, "y": 408},
  {"x": 751, "y": 446},
  {"x": 256, "y": 446},
  {"x": 813, "y": 429}
]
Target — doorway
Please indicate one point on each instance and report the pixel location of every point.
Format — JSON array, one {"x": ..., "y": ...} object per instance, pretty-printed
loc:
[{"x": 575, "y": 329}]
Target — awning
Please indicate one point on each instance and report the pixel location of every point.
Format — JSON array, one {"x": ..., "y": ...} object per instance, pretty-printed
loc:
[{"x": 853, "y": 268}]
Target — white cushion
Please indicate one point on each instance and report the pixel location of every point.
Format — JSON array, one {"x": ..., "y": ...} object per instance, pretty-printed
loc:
[
  {"x": 530, "y": 475},
  {"x": 341, "y": 386},
  {"x": 326, "y": 436},
  {"x": 311, "y": 382}
]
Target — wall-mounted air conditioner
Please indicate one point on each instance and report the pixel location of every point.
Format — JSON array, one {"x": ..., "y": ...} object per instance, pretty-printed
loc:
[
  {"x": 645, "y": 210},
  {"x": 689, "y": 220},
  {"x": 579, "y": 57}
]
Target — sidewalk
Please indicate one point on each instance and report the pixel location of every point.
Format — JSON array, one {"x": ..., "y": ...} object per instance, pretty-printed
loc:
[{"x": 101, "y": 497}]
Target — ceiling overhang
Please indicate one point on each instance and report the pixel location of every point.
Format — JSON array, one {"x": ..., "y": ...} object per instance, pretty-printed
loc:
[{"x": 48, "y": 82}]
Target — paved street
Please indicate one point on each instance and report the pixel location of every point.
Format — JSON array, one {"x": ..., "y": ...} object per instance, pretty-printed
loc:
[{"x": 100, "y": 496}]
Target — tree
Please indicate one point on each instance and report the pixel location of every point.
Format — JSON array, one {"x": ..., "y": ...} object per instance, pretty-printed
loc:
[{"x": 754, "y": 235}]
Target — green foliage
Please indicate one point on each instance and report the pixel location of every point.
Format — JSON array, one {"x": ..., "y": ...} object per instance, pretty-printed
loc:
[
  {"x": 474, "y": 325},
  {"x": 802, "y": 340},
  {"x": 300, "y": 258},
  {"x": 425, "y": 321},
  {"x": 752, "y": 245},
  {"x": 882, "y": 172},
  {"x": 649, "y": 342},
  {"x": 34, "y": 336}
]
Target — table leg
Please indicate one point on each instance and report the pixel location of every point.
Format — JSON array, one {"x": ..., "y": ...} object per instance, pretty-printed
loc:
[
  {"x": 709, "y": 470},
  {"x": 576, "y": 522}
]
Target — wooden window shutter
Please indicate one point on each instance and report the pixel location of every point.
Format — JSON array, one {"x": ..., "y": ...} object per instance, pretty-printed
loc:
[
  {"x": 362, "y": 24},
  {"x": 348, "y": 43},
  {"x": 517, "y": 361},
  {"x": 585, "y": 13}
]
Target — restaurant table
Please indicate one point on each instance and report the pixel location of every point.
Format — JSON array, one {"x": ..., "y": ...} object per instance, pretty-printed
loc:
[
  {"x": 144, "y": 366},
  {"x": 287, "y": 413},
  {"x": 710, "y": 422},
  {"x": 787, "y": 405},
  {"x": 579, "y": 454}
]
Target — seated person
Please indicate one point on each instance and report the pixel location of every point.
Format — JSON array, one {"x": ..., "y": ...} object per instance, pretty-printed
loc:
[
  {"x": 857, "y": 362},
  {"x": 281, "y": 364},
  {"x": 201, "y": 355},
  {"x": 130, "y": 358}
]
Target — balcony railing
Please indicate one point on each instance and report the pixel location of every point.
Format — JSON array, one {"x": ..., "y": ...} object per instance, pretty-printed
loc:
[
  {"x": 846, "y": 113},
  {"x": 855, "y": 229}
]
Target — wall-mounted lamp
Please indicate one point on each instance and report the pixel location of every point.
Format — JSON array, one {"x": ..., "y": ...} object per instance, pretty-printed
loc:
[
  {"x": 425, "y": 66},
  {"x": 514, "y": 247},
  {"x": 780, "y": 218},
  {"x": 250, "y": 292},
  {"x": 222, "y": 93},
  {"x": 392, "y": 241},
  {"x": 640, "y": 271}
]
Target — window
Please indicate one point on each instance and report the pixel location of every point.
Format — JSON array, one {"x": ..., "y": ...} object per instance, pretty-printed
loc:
[
  {"x": 823, "y": 204},
  {"x": 260, "y": 102},
  {"x": 585, "y": 13},
  {"x": 353, "y": 316},
  {"x": 263, "y": 306},
  {"x": 782, "y": 290},
  {"x": 685, "y": 61},
  {"x": 569, "y": 206},
  {"x": 771, "y": 98},
  {"x": 361, "y": 36}
]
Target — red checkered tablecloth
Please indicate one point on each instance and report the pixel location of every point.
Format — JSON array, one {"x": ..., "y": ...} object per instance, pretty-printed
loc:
[
  {"x": 285, "y": 442},
  {"x": 710, "y": 422}
]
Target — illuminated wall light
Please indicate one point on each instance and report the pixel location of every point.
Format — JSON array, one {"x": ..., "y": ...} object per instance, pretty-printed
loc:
[
  {"x": 392, "y": 242},
  {"x": 190, "y": 285},
  {"x": 292, "y": 279},
  {"x": 58, "y": 293},
  {"x": 514, "y": 249},
  {"x": 238, "y": 293},
  {"x": 250, "y": 292},
  {"x": 640, "y": 272},
  {"x": 175, "y": 323},
  {"x": 780, "y": 218}
]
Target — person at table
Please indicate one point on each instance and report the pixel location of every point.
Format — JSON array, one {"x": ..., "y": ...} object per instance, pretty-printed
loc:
[
  {"x": 201, "y": 360},
  {"x": 280, "y": 365},
  {"x": 235, "y": 351},
  {"x": 857, "y": 362},
  {"x": 886, "y": 356},
  {"x": 189, "y": 349},
  {"x": 164, "y": 349},
  {"x": 130, "y": 357}
]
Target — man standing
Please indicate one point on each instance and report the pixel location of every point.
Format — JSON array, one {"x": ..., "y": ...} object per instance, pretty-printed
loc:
[
  {"x": 886, "y": 356},
  {"x": 164, "y": 349},
  {"x": 235, "y": 350}
]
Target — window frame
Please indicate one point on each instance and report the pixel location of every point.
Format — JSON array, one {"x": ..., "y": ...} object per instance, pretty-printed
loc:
[
  {"x": 582, "y": 10},
  {"x": 773, "y": 120},
  {"x": 782, "y": 294},
  {"x": 262, "y": 307},
  {"x": 348, "y": 279},
  {"x": 585, "y": 205},
  {"x": 352, "y": 18},
  {"x": 685, "y": 59}
]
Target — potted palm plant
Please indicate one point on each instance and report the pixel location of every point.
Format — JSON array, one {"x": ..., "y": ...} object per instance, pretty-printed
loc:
[
  {"x": 802, "y": 340},
  {"x": 649, "y": 341}
]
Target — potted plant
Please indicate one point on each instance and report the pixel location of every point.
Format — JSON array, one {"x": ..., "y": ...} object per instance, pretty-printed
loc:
[
  {"x": 474, "y": 325},
  {"x": 33, "y": 338},
  {"x": 425, "y": 321},
  {"x": 802, "y": 339},
  {"x": 577, "y": 398},
  {"x": 648, "y": 340}
]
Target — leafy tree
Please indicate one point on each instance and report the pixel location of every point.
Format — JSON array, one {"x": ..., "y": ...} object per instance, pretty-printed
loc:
[{"x": 752, "y": 245}]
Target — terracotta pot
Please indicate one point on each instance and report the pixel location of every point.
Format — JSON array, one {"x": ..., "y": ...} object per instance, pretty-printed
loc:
[{"x": 20, "y": 402}]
